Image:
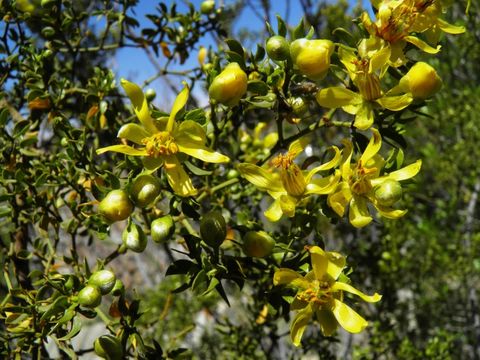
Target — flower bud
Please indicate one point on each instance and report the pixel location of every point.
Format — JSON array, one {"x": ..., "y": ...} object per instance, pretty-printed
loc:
[
  {"x": 258, "y": 244},
  {"x": 162, "y": 229},
  {"x": 312, "y": 57},
  {"x": 278, "y": 48},
  {"x": 115, "y": 206},
  {"x": 422, "y": 81},
  {"x": 207, "y": 7},
  {"x": 298, "y": 104},
  {"x": 108, "y": 347},
  {"x": 134, "y": 238},
  {"x": 144, "y": 190},
  {"x": 104, "y": 280},
  {"x": 229, "y": 86},
  {"x": 388, "y": 192},
  {"x": 213, "y": 228},
  {"x": 90, "y": 296},
  {"x": 150, "y": 94}
]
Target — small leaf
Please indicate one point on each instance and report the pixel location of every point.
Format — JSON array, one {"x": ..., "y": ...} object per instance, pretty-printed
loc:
[
  {"x": 235, "y": 47},
  {"x": 282, "y": 27}
]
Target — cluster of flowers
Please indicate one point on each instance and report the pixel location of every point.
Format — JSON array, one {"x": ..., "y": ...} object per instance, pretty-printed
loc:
[{"x": 349, "y": 182}]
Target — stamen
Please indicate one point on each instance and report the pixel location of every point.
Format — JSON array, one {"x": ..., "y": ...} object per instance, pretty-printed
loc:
[{"x": 161, "y": 143}]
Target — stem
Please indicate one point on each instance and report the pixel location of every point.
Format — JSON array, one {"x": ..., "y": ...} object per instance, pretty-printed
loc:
[{"x": 216, "y": 188}]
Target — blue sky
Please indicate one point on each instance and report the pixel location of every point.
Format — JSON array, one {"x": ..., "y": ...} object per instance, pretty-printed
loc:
[{"x": 134, "y": 65}]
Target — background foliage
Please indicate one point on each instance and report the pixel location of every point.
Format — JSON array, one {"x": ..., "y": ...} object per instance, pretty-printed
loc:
[{"x": 60, "y": 102}]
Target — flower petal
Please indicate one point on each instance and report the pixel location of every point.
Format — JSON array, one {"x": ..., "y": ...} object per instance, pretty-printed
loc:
[
  {"x": 395, "y": 103},
  {"x": 133, "y": 132},
  {"x": 177, "y": 177},
  {"x": 191, "y": 131},
  {"x": 298, "y": 304},
  {"x": 336, "y": 264},
  {"x": 379, "y": 59},
  {"x": 335, "y": 97},
  {"x": 152, "y": 163},
  {"x": 178, "y": 105},
  {"x": 123, "y": 149},
  {"x": 348, "y": 318},
  {"x": 297, "y": 146},
  {"x": 327, "y": 166},
  {"x": 284, "y": 276},
  {"x": 340, "y": 286},
  {"x": 449, "y": 28},
  {"x": 319, "y": 261},
  {"x": 364, "y": 117},
  {"x": 328, "y": 322},
  {"x": 406, "y": 172},
  {"x": 274, "y": 212},
  {"x": 299, "y": 325},
  {"x": 339, "y": 200},
  {"x": 389, "y": 213},
  {"x": 358, "y": 213},
  {"x": 140, "y": 105},
  {"x": 422, "y": 45},
  {"x": 288, "y": 205},
  {"x": 372, "y": 148},
  {"x": 324, "y": 185},
  {"x": 201, "y": 152},
  {"x": 260, "y": 177}
]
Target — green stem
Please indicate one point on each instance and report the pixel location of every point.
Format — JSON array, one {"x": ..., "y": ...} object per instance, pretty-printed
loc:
[{"x": 216, "y": 188}]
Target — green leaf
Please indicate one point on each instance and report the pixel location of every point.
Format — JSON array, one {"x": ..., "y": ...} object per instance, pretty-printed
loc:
[
  {"x": 235, "y": 47},
  {"x": 258, "y": 87},
  {"x": 76, "y": 327},
  {"x": 196, "y": 170},
  {"x": 299, "y": 31},
  {"x": 282, "y": 27}
]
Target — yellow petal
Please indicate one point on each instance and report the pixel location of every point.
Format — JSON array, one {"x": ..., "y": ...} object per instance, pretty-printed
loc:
[
  {"x": 201, "y": 152},
  {"x": 123, "y": 149},
  {"x": 339, "y": 200},
  {"x": 345, "y": 166},
  {"x": 319, "y": 261},
  {"x": 449, "y": 28},
  {"x": 178, "y": 105},
  {"x": 298, "y": 304},
  {"x": 379, "y": 59},
  {"x": 422, "y": 45},
  {"x": 328, "y": 322},
  {"x": 323, "y": 186},
  {"x": 364, "y": 117},
  {"x": 348, "y": 318},
  {"x": 299, "y": 325},
  {"x": 140, "y": 105},
  {"x": 335, "y": 97},
  {"x": 259, "y": 177},
  {"x": 299, "y": 145},
  {"x": 336, "y": 264},
  {"x": 340, "y": 286},
  {"x": 152, "y": 163},
  {"x": 288, "y": 205},
  {"x": 177, "y": 177},
  {"x": 284, "y": 276},
  {"x": 389, "y": 213},
  {"x": 191, "y": 131},
  {"x": 395, "y": 103},
  {"x": 406, "y": 172},
  {"x": 327, "y": 166},
  {"x": 274, "y": 212},
  {"x": 373, "y": 147},
  {"x": 133, "y": 132},
  {"x": 358, "y": 213},
  {"x": 348, "y": 58}
]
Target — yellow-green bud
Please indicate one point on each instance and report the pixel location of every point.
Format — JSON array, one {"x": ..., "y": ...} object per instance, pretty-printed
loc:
[
  {"x": 278, "y": 48},
  {"x": 134, "y": 238},
  {"x": 207, "y": 7},
  {"x": 144, "y": 190},
  {"x": 162, "y": 229},
  {"x": 213, "y": 228},
  {"x": 90, "y": 296},
  {"x": 312, "y": 57},
  {"x": 422, "y": 81},
  {"x": 258, "y": 244},
  {"x": 388, "y": 192},
  {"x": 115, "y": 206},
  {"x": 229, "y": 86},
  {"x": 104, "y": 280},
  {"x": 108, "y": 347}
]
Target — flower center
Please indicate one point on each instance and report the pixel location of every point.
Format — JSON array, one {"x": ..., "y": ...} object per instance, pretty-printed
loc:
[
  {"x": 292, "y": 178},
  {"x": 360, "y": 180},
  {"x": 395, "y": 23},
  {"x": 368, "y": 84},
  {"x": 161, "y": 143},
  {"x": 319, "y": 293}
]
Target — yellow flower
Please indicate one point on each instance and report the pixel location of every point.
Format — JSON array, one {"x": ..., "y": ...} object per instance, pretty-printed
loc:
[
  {"x": 312, "y": 57},
  {"x": 291, "y": 185},
  {"x": 365, "y": 72},
  {"x": 361, "y": 183},
  {"x": 320, "y": 295},
  {"x": 160, "y": 142}
]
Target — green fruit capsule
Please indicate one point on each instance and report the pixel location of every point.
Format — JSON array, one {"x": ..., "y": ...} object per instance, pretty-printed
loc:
[
  {"x": 278, "y": 48},
  {"x": 258, "y": 244},
  {"x": 118, "y": 288},
  {"x": 134, "y": 238},
  {"x": 116, "y": 206},
  {"x": 388, "y": 192},
  {"x": 162, "y": 229},
  {"x": 144, "y": 190},
  {"x": 229, "y": 86},
  {"x": 90, "y": 296},
  {"x": 207, "y": 7},
  {"x": 104, "y": 280},
  {"x": 299, "y": 106},
  {"x": 108, "y": 347},
  {"x": 213, "y": 228}
]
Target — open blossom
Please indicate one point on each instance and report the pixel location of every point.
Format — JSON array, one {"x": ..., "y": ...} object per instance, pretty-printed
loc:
[
  {"x": 365, "y": 71},
  {"x": 320, "y": 295},
  {"x": 362, "y": 183},
  {"x": 396, "y": 20},
  {"x": 160, "y": 142},
  {"x": 290, "y": 184}
]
